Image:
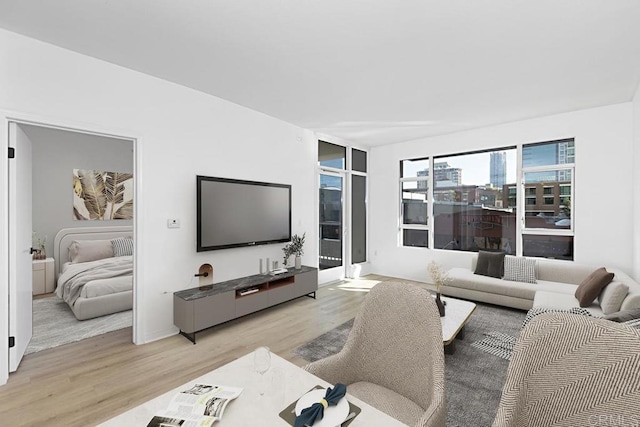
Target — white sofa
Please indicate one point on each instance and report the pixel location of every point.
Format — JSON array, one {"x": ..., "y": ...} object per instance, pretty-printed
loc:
[{"x": 556, "y": 284}]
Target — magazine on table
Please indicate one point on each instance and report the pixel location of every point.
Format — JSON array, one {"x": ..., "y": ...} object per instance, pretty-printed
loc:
[{"x": 201, "y": 406}]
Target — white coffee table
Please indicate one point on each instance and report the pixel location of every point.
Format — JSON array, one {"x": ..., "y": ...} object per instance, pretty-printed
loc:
[
  {"x": 457, "y": 314},
  {"x": 287, "y": 383}
]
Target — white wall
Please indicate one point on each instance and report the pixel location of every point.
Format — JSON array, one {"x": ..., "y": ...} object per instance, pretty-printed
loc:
[
  {"x": 180, "y": 133},
  {"x": 603, "y": 188},
  {"x": 636, "y": 181}
]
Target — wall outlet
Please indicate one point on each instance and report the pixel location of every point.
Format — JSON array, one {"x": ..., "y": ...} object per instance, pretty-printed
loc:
[{"x": 173, "y": 223}]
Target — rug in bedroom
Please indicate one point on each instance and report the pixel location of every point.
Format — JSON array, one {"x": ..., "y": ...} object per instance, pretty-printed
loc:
[
  {"x": 473, "y": 378},
  {"x": 54, "y": 324}
]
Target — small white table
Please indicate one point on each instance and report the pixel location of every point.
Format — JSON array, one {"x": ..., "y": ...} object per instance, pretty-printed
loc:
[
  {"x": 457, "y": 313},
  {"x": 287, "y": 383},
  {"x": 43, "y": 276}
]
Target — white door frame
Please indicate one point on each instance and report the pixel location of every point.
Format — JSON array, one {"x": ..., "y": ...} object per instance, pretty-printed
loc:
[{"x": 69, "y": 125}]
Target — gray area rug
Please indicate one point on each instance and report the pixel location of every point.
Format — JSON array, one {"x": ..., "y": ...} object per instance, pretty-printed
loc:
[
  {"x": 473, "y": 378},
  {"x": 54, "y": 324}
]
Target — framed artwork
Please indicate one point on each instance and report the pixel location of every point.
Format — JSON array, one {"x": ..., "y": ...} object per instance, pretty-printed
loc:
[{"x": 102, "y": 195}]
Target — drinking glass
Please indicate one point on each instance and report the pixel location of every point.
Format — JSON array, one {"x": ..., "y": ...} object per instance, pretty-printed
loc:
[{"x": 261, "y": 364}]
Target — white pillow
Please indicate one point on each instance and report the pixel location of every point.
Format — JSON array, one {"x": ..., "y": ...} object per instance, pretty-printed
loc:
[
  {"x": 612, "y": 296},
  {"x": 519, "y": 269},
  {"x": 90, "y": 250},
  {"x": 122, "y": 246}
]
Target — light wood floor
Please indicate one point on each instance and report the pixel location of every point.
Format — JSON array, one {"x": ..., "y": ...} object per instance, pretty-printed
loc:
[{"x": 85, "y": 383}]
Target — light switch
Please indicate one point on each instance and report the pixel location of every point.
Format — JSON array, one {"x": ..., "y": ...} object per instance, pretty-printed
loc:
[{"x": 173, "y": 223}]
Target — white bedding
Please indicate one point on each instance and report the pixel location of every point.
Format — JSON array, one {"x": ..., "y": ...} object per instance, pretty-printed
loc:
[{"x": 109, "y": 275}]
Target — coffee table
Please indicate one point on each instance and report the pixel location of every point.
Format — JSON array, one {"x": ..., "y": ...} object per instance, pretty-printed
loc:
[
  {"x": 286, "y": 383},
  {"x": 457, "y": 314}
]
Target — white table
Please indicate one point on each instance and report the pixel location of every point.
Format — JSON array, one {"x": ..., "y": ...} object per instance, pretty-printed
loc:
[
  {"x": 287, "y": 381},
  {"x": 457, "y": 313}
]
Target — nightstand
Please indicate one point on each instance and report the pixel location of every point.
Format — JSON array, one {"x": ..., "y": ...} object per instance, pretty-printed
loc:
[{"x": 43, "y": 276}]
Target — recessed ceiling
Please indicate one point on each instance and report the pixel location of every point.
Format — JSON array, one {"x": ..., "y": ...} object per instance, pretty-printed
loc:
[{"x": 369, "y": 71}]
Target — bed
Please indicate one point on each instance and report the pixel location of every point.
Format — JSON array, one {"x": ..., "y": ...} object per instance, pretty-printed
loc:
[{"x": 94, "y": 269}]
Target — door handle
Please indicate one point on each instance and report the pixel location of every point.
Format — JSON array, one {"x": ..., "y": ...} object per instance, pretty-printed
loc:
[{"x": 32, "y": 251}]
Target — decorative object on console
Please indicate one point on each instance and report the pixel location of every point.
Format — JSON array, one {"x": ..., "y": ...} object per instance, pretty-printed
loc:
[
  {"x": 589, "y": 289},
  {"x": 440, "y": 278},
  {"x": 38, "y": 249},
  {"x": 295, "y": 247},
  {"x": 205, "y": 274},
  {"x": 102, "y": 195}
]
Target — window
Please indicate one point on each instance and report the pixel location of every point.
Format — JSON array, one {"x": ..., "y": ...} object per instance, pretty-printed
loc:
[
  {"x": 470, "y": 208},
  {"x": 414, "y": 187},
  {"x": 475, "y": 199},
  {"x": 549, "y": 165}
]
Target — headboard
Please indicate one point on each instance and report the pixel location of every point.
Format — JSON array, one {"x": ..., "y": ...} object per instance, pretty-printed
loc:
[{"x": 67, "y": 235}]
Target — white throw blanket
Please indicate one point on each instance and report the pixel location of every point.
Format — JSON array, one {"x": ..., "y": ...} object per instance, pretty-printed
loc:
[{"x": 70, "y": 282}]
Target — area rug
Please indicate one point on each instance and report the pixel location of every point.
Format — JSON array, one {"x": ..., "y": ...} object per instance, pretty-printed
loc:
[
  {"x": 54, "y": 324},
  {"x": 473, "y": 378}
]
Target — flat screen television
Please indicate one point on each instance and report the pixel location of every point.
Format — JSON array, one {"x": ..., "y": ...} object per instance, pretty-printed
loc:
[{"x": 233, "y": 213}]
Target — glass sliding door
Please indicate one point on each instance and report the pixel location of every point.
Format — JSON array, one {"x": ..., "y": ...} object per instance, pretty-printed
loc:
[{"x": 331, "y": 224}]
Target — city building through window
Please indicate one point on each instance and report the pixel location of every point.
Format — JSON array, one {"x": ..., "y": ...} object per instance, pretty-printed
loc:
[{"x": 475, "y": 198}]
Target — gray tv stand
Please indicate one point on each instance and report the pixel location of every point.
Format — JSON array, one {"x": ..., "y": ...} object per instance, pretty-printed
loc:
[{"x": 197, "y": 309}]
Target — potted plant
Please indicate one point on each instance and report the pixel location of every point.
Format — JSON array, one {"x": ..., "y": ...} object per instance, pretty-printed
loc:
[
  {"x": 295, "y": 247},
  {"x": 440, "y": 278}
]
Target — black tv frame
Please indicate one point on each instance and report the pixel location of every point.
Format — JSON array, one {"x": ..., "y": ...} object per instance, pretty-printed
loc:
[{"x": 199, "y": 179}]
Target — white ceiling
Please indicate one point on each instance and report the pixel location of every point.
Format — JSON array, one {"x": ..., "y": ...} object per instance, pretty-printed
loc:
[{"x": 369, "y": 71}]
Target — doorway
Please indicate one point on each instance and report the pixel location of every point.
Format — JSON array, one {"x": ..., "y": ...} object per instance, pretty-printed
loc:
[
  {"x": 342, "y": 216},
  {"x": 56, "y": 152}
]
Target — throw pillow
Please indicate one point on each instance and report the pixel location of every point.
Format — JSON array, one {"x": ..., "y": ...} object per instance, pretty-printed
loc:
[
  {"x": 90, "y": 250},
  {"x": 122, "y": 246},
  {"x": 490, "y": 264},
  {"x": 590, "y": 287},
  {"x": 624, "y": 315},
  {"x": 611, "y": 297},
  {"x": 520, "y": 269}
]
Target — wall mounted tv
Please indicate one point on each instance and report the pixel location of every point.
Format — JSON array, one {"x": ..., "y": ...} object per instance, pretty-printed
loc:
[{"x": 233, "y": 213}]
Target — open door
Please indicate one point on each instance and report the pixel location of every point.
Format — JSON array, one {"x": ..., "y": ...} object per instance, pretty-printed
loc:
[{"x": 20, "y": 236}]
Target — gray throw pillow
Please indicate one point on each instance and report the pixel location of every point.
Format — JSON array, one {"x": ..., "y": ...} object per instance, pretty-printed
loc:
[
  {"x": 590, "y": 288},
  {"x": 612, "y": 296},
  {"x": 490, "y": 264}
]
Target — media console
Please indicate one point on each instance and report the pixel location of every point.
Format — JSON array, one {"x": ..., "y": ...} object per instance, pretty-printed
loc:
[{"x": 197, "y": 309}]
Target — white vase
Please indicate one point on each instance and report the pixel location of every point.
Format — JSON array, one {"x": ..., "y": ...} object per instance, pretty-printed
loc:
[{"x": 298, "y": 263}]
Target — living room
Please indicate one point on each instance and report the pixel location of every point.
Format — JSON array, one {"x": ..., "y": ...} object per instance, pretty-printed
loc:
[{"x": 181, "y": 132}]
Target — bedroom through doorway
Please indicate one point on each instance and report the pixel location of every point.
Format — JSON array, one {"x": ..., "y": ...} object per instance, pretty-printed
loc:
[{"x": 80, "y": 181}]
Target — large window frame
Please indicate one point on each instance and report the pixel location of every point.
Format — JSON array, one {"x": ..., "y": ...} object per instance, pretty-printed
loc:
[
  {"x": 407, "y": 229},
  {"x": 561, "y": 192}
]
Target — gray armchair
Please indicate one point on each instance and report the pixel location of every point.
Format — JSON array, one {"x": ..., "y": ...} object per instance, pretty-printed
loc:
[
  {"x": 572, "y": 370},
  {"x": 393, "y": 358}
]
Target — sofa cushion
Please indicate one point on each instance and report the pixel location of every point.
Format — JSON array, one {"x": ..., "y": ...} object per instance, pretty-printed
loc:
[
  {"x": 490, "y": 264},
  {"x": 559, "y": 301},
  {"x": 590, "y": 287},
  {"x": 388, "y": 401},
  {"x": 465, "y": 279},
  {"x": 611, "y": 297},
  {"x": 519, "y": 269}
]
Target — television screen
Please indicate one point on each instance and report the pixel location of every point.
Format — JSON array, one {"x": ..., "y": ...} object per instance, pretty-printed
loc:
[{"x": 233, "y": 213}]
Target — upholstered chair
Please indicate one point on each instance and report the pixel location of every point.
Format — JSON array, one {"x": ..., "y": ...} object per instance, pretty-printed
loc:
[
  {"x": 572, "y": 370},
  {"x": 393, "y": 358}
]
